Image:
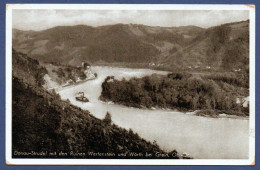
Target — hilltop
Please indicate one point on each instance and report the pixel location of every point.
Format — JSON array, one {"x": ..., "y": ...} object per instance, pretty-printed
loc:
[{"x": 221, "y": 47}]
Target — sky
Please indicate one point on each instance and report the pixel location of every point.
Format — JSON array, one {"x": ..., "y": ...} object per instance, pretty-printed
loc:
[{"x": 27, "y": 19}]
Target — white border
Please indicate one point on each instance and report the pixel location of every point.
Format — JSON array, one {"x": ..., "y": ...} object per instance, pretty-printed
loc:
[{"x": 11, "y": 161}]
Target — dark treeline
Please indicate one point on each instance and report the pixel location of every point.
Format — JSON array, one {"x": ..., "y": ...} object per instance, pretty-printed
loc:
[{"x": 175, "y": 91}]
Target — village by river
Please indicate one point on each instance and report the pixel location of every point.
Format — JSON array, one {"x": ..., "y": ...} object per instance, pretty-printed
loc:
[{"x": 201, "y": 137}]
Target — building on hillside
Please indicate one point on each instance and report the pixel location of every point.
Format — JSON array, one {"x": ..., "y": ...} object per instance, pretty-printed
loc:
[
  {"x": 243, "y": 100},
  {"x": 85, "y": 65},
  {"x": 89, "y": 74},
  {"x": 111, "y": 79},
  {"x": 151, "y": 64},
  {"x": 246, "y": 102},
  {"x": 68, "y": 82}
]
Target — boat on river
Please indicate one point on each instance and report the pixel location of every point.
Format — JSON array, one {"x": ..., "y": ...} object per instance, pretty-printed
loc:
[{"x": 81, "y": 97}]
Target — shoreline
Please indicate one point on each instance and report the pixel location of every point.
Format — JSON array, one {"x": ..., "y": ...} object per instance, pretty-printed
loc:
[
  {"x": 193, "y": 113},
  {"x": 62, "y": 87}
]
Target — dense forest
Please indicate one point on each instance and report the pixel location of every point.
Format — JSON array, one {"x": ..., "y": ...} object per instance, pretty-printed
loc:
[
  {"x": 28, "y": 69},
  {"x": 44, "y": 126},
  {"x": 182, "y": 91}
]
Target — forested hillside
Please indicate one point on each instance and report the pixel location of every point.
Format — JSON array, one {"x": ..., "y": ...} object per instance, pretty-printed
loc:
[
  {"x": 223, "y": 47},
  {"x": 28, "y": 69},
  {"x": 220, "y": 47},
  {"x": 43, "y": 124}
]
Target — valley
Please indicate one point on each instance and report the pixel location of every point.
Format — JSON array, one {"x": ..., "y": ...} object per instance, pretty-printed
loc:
[{"x": 181, "y": 91}]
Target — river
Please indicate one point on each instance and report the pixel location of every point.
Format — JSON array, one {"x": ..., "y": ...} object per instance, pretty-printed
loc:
[{"x": 201, "y": 137}]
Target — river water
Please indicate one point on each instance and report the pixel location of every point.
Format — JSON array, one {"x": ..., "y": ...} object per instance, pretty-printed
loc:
[{"x": 201, "y": 137}]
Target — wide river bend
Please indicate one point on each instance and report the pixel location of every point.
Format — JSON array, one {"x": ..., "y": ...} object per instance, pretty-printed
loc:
[{"x": 201, "y": 137}]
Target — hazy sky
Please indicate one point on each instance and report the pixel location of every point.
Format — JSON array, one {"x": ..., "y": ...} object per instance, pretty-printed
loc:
[{"x": 44, "y": 19}]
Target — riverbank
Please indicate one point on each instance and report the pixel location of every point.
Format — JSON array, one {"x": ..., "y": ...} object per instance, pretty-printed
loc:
[
  {"x": 52, "y": 85},
  {"x": 200, "y": 113},
  {"x": 219, "y": 114}
]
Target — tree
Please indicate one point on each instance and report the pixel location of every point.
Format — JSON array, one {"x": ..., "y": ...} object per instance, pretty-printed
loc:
[
  {"x": 82, "y": 75},
  {"x": 107, "y": 120}
]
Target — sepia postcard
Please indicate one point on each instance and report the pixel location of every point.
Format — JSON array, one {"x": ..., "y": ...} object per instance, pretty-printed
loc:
[{"x": 90, "y": 84}]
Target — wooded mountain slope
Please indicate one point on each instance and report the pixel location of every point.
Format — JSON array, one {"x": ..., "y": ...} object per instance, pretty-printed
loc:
[
  {"x": 225, "y": 46},
  {"x": 42, "y": 122}
]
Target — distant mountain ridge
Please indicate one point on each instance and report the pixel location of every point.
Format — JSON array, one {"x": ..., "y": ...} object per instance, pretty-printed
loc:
[{"x": 222, "y": 46}]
